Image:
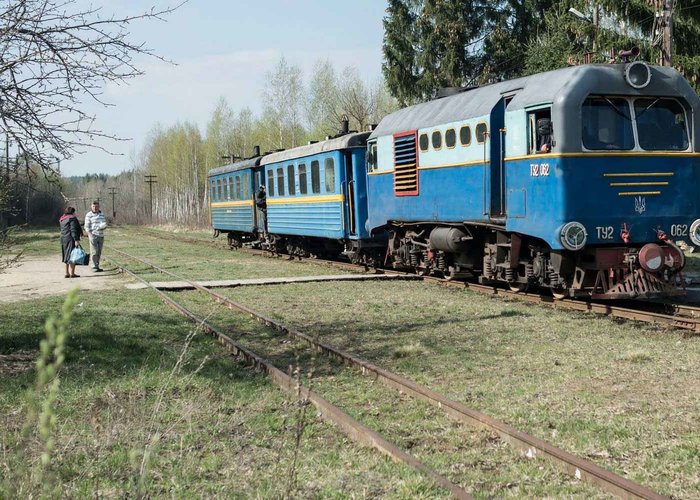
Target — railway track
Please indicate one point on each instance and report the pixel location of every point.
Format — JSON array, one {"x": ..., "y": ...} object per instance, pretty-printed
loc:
[
  {"x": 674, "y": 315},
  {"x": 530, "y": 446}
]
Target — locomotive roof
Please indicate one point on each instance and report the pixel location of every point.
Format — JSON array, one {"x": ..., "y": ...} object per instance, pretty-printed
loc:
[
  {"x": 532, "y": 90},
  {"x": 353, "y": 139},
  {"x": 239, "y": 165}
]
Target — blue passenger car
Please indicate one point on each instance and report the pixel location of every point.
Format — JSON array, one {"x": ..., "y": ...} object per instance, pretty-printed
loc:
[
  {"x": 231, "y": 201},
  {"x": 579, "y": 179},
  {"x": 317, "y": 200}
]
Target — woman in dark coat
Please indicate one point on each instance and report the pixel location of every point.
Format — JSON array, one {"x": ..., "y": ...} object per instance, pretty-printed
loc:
[{"x": 70, "y": 238}]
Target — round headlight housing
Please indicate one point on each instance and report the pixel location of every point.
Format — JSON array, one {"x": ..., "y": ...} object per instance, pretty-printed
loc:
[
  {"x": 638, "y": 74},
  {"x": 651, "y": 258},
  {"x": 695, "y": 232},
  {"x": 573, "y": 236}
]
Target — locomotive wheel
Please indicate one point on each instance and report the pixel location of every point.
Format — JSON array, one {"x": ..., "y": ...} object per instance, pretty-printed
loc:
[{"x": 518, "y": 287}]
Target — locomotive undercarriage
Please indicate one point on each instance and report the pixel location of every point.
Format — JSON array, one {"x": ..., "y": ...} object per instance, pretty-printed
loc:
[{"x": 495, "y": 256}]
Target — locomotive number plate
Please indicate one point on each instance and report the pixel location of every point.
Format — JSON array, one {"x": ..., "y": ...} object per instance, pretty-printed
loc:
[
  {"x": 539, "y": 169},
  {"x": 679, "y": 230},
  {"x": 605, "y": 232}
]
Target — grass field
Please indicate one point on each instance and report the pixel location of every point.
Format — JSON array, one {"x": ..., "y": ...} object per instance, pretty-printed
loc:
[{"x": 622, "y": 394}]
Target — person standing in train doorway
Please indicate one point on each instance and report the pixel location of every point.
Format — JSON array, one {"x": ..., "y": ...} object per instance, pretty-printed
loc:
[
  {"x": 95, "y": 224},
  {"x": 261, "y": 203}
]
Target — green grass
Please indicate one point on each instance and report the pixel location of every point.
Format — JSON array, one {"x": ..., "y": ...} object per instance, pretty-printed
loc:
[
  {"x": 36, "y": 242},
  {"x": 224, "y": 428},
  {"x": 621, "y": 394}
]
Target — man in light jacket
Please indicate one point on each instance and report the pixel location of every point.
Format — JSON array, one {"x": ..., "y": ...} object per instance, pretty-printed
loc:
[{"x": 95, "y": 224}]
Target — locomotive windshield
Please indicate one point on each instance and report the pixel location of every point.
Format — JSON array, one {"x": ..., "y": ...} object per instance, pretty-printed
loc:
[
  {"x": 609, "y": 124},
  {"x": 661, "y": 125}
]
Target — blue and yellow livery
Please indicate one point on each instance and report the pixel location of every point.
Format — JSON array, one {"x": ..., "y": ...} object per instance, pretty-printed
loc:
[
  {"x": 579, "y": 179},
  {"x": 231, "y": 201}
]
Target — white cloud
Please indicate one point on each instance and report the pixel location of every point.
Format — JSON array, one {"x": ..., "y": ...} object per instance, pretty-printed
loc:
[{"x": 189, "y": 90}]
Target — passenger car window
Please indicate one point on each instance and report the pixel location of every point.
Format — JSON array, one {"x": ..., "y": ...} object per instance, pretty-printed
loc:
[
  {"x": 329, "y": 167},
  {"x": 437, "y": 140},
  {"x": 212, "y": 190},
  {"x": 303, "y": 187},
  {"x": 291, "y": 180},
  {"x": 465, "y": 135},
  {"x": 607, "y": 124},
  {"x": 219, "y": 195},
  {"x": 238, "y": 187},
  {"x": 315, "y": 177},
  {"x": 246, "y": 183},
  {"x": 280, "y": 181},
  {"x": 270, "y": 183}
]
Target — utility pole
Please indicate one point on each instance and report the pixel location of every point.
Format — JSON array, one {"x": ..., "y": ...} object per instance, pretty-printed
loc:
[
  {"x": 150, "y": 180},
  {"x": 667, "y": 34},
  {"x": 113, "y": 192},
  {"x": 596, "y": 21}
]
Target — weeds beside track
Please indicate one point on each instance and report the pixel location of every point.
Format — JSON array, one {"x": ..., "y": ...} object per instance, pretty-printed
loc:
[{"x": 532, "y": 446}]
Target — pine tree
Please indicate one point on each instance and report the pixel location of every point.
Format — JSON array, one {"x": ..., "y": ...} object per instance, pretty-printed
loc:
[{"x": 400, "y": 51}]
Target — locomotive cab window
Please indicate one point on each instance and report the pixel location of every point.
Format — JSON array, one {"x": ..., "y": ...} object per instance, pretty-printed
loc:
[
  {"x": 315, "y": 177},
  {"x": 329, "y": 170},
  {"x": 372, "y": 157},
  {"x": 661, "y": 124},
  {"x": 541, "y": 131},
  {"x": 481, "y": 133},
  {"x": 607, "y": 124}
]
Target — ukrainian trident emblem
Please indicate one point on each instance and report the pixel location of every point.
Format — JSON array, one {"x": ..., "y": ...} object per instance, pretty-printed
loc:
[{"x": 640, "y": 204}]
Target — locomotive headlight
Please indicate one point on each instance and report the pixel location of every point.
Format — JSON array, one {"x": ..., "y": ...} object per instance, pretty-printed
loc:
[
  {"x": 638, "y": 74},
  {"x": 573, "y": 236},
  {"x": 695, "y": 232}
]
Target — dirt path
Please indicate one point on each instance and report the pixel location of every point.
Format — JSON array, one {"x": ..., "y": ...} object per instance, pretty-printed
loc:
[{"x": 37, "y": 277}]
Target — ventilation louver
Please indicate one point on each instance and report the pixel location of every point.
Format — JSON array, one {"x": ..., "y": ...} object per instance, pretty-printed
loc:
[{"x": 405, "y": 164}]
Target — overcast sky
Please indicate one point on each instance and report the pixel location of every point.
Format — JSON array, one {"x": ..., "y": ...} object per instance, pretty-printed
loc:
[{"x": 224, "y": 48}]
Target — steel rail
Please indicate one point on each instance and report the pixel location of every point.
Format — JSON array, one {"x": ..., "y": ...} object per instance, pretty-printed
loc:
[
  {"x": 600, "y": 308},
  {"x": 350, "y": 426},
  {"x": 532, "y": 446},
  {"x": 681, "y": 316}
]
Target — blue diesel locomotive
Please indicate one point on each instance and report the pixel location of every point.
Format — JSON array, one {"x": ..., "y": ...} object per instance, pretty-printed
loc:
[{"x": 578, "y": 180}]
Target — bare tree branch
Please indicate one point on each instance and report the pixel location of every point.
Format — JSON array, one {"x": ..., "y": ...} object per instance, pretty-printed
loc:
[{"x": 55, "y": 57}]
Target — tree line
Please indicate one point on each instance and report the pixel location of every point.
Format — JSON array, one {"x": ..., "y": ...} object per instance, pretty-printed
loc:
[
  {"x": 430, "y": 44},
  {"x": 178, "y": 156}
]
